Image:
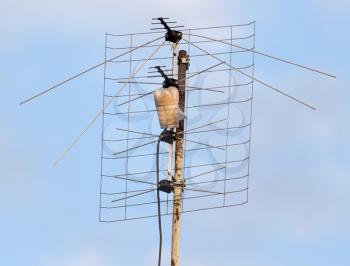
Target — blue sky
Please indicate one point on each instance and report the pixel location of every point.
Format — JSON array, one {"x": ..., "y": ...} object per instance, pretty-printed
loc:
[{"x": 298, "y": 213}]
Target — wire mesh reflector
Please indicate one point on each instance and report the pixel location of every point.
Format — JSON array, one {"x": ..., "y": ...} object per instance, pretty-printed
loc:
[{"x": 217, "y": 128}]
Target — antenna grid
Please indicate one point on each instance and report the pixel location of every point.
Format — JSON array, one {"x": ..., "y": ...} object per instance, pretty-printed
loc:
[{"x": 217, "y": 129}]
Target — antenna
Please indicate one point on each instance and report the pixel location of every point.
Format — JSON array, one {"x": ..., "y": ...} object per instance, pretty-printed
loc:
[
  {"x": 176, "y": 127},
  {"x": 168, "y": 82},
  {"x": 172, "y": 35}
]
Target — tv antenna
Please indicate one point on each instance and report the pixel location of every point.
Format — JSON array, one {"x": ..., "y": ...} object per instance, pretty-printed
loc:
[{"x": 204, "y": 110}]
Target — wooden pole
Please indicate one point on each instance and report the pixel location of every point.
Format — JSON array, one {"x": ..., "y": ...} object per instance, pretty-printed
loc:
[{"x": 179, "y": 154}]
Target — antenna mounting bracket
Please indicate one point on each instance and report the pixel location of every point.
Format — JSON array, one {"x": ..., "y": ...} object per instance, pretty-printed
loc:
[
  {"x": 168, "y": 136},
  {"x": 168, "y": 186},
  {"x": 173, "y": 36},
  {"x": 168, "y": 82}
]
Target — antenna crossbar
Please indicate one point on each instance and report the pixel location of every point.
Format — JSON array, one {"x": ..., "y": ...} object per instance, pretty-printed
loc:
[
  {"x": 255, "y": 79},
  {"x": 266, "y": 55},
  {"x": 85, "y": 71}
]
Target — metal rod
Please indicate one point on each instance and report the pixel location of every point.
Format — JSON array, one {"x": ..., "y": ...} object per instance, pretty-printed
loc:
[
  {"x": 267, "y": 55},
  {"x": 133, "y": 180},
  {"x": 188, "y": 167},
  {"x": 103, "y": 127},
  {"x": 186, "y": 150},
  {"x": 183, "y": 80},
  {"x": 192, "y": 29},
  {"x": 63, "y": 155},
  {"x": 132, "y": 196},
  {"x": 179, "y": 154},
  {"x": 204, "y": 144},
  {"x": 85, "y": 71},
  {"x": 257, "y": 80},
  {"x": 205, "y": 125},
  {"x": 163, "y": 201},
  {"x": 188, "y": 107},
  {"x": 187, "y": 211},
  {"x": 122, "y": 192},
  {"x": 194, "y": 55},
  {"x": 201, "y": 174},
  {"x": 216, "y": 181},
  {"x": 204, "y": 191},
  {"x": 175, "y": 75},
  {"x": 191, "y": 88},
  {"x": 137, "y": 132},
  {"x": 170, "y": 75},
  {"x": 135, "y": 147}
]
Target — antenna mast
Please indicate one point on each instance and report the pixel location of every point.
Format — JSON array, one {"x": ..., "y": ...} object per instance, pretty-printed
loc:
[
  {"x": 183, "y": 62},
  {"x": 127, "y": 171}
]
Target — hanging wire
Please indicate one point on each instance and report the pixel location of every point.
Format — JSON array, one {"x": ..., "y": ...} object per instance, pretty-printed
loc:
[{"x": 158, "y": 205}]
